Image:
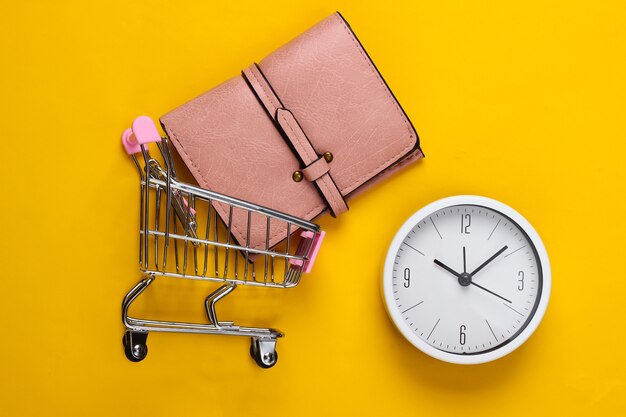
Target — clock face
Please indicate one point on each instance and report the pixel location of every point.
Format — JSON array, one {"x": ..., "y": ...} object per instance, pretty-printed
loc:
[{"x": 465, "y": 279}]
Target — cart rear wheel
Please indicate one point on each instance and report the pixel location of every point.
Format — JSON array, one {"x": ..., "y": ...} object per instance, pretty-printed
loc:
[
  {"x": 135, "y": 347},
  {"x": 263, "y": 357}
]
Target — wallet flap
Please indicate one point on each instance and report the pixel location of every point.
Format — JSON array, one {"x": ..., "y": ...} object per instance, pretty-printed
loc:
[
  {"x": 233, "y": 145},
  {"x": 329, "y": 83}
]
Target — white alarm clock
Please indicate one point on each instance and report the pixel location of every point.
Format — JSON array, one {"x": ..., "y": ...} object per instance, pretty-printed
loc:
[{"x": 466, "y": 279}]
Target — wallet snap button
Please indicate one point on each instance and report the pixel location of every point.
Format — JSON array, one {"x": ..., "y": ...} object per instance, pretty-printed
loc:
[
  {"x": 297, "y": 176},
  {"x": 328, "y": 156}
]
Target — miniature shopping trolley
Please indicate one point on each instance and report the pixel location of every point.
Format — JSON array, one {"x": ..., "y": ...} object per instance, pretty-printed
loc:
[{"x": 181, "y": 237}]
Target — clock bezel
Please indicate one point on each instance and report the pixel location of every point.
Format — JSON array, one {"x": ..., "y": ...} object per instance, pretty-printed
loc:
[{"x": 512, "y": 343}]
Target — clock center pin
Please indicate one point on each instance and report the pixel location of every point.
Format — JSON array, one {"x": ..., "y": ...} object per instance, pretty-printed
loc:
[{"x": 465, "y": 279}]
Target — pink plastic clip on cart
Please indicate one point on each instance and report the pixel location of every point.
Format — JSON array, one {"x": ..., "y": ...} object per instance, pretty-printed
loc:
[{"x": 180, "y": 236}]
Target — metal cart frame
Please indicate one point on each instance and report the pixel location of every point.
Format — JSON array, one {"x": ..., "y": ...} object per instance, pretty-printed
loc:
[{"x": 169, "y": 227}]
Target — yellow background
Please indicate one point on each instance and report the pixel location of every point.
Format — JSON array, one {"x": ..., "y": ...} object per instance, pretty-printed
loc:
[{"x": 523, "y": 103}]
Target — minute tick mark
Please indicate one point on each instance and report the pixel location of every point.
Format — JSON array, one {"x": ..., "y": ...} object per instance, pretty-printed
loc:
[
  {"x": 494, "y": 229},
  {"x": 412, "y": 307},
  {"x": 434, "y": 327},
  {"x": 435, "y": 226},
  {"x": 418, "y": 251},
  {"x": 507, "y": 255},
  {"x": 494, "y": 335},
  {"x": 508, "y": 306}
]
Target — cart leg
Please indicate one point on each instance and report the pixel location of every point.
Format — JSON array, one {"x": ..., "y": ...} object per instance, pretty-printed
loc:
[
  {"x": 263, "y": 340},
  {"x": 132, "y": 295},
  {"x": 263, "y": 351},
  {"x": 213, "y": 298},
  {"x": 134, "y": 341}
]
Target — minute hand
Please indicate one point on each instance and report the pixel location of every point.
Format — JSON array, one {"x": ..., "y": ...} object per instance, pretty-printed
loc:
[{"x": 484, "y": 264}]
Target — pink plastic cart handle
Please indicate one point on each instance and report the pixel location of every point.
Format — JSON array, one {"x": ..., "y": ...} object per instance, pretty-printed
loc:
[
  {"x": 130, "y": 142},
  {"x": 186, "y": 204},
  {"x": 315, "y": 248},
  {"x": 145, "y": 131}
]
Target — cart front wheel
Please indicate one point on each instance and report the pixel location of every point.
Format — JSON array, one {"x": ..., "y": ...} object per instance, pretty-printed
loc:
[
  {"x": 135, "y": 347},
  {"x": 264, "y": 352}
]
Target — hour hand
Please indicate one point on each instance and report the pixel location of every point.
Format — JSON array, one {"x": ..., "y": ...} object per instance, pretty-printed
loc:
[{"x": 447, "y": 268}]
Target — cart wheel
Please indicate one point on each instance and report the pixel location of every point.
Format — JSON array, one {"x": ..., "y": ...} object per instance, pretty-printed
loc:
[
  {"x": 135, "y": 346},
  {"x": 263, "y": 352}
]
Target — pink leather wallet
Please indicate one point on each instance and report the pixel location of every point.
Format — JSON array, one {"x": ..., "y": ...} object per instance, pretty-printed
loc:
[{"x": 300, "y": 132}]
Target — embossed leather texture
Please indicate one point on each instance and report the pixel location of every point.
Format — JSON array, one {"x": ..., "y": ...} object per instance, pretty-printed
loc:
[{"x": 318, "y": 93}]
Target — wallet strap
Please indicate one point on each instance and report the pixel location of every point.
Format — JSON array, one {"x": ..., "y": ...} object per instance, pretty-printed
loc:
[{"x": 314, "y": 167}]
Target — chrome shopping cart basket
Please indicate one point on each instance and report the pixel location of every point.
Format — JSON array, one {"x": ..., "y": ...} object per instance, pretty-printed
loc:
[{"x": 180, "y": 236}]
